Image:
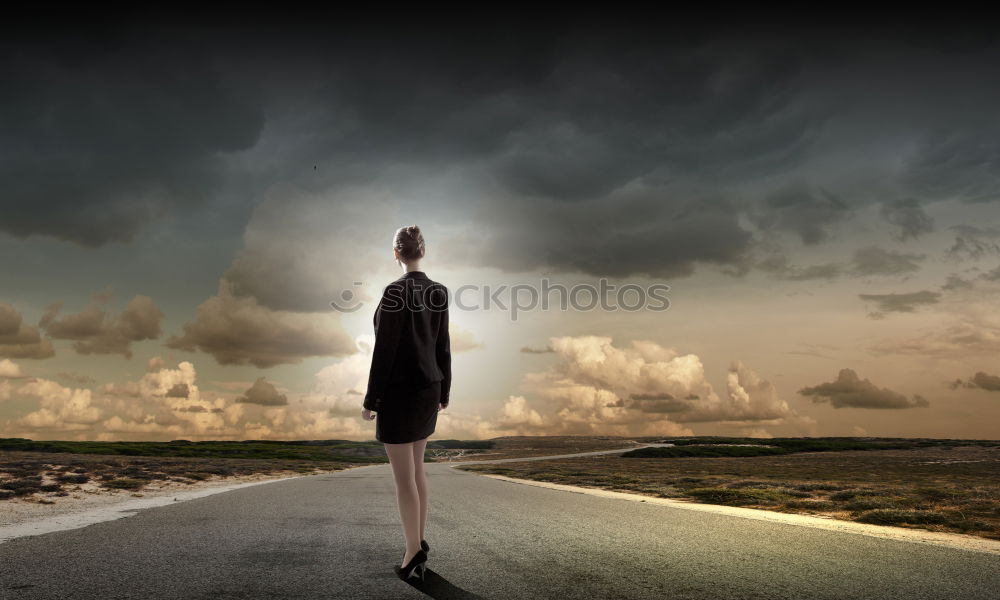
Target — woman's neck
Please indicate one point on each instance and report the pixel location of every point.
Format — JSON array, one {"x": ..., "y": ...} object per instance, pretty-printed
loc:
[{"x": 414, "y": 267}]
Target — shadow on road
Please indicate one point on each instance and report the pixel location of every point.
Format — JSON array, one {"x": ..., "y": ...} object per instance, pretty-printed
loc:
[{"x": 440, "y": 588}]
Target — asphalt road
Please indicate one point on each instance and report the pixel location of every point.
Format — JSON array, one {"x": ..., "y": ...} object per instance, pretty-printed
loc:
[{"x": 338, "y": 535}]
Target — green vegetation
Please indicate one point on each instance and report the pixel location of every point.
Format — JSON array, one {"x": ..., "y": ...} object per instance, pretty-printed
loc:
[
  {"x": 716, "y": 446},
  {"x": 738, "y": 496},
  {"x": 811, "y": 505},
  {"x": 321, "y": 450},
  {"x": 310, "y": 450},
  {"x": 681, "y": 451},
  {"x": 461, "y": 444},
  {"x": 940, "y": 485},
  {"x": 21, "y": 487},
  {"x": 124, "y": 483},
  {"x": 888, "y": 516},
  {"x": 133, "y": 465},
  {"x": 862, "y": 503},
  {"x": 950, "y": 518}
]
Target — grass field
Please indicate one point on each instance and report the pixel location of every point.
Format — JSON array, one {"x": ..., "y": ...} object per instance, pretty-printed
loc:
[
  {"x": 43, "y": 471},
  {"x": 941, "y": 485}
]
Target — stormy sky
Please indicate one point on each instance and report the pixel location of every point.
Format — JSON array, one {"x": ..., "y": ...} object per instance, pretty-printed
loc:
[{"x": 183, "y": 199}]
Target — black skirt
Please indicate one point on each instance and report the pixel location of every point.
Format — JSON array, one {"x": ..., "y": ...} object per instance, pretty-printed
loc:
[{"x": 407, "y": 414}]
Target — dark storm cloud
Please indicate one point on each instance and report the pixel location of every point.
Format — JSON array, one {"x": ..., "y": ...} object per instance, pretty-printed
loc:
[
  {"x": 570, "y": 124},
  {"x": 961, "y": 162},
  {"x": 991, "y": 275},
  {"x": 973, "y": 243},
  {"x": 101, "y": 135},
  {"x": 530, "y": 350},
  {"x": 264, "y": 393},
  {"x": 851, "y": 391},
  {"x": 955, "y": 282},
  {"x": 823, "y": 271},
  {"x": 180, "y": 390},
  {"x": 806, "y": 212},
  {"x": 779, "y": 266},
  {"x": 952, "y": 34},
  {"x": 559, "y": 124},
  {"x": 556, "y": 115},
  {"x": 980, "y": 380},
  {"x": 10, "y": 319},
  {"x": 634, "y": 232},
  {"x": 867, "y": 261},
  {"x": 19, "y": 340},
  {"x": 986, "y": 382},
  {"x": 604, "y": 147},
  {"x": 874, "y": 260},
  {"x": 907, "y": 302},
  {"x": 197, "y": 408},
  {"x": 657, "y": 403},
  {"x": 567, "y": 112},
  {"x": 98, "y": 331},
  {"x": 602, "y": 120},
  {"x": 909, "y": 216},
  {"x": 239, "y": 331}
]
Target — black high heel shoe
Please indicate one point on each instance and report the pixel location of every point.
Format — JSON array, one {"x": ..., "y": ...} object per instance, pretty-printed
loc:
[
  {"x": 416, "y": 566},
  {"x": 426, "y": 547}
]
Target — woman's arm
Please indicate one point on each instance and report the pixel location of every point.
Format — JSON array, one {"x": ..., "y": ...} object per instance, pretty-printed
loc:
[
  {"x": 389, "y": 319},
  {"x": 444, "y": 355}
]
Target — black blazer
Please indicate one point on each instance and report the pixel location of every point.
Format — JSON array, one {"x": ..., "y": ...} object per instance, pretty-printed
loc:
[{"x": 412, "y": 345}]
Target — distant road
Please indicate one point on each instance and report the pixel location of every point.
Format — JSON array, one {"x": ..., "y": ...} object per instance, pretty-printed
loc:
[
  {"x": 337, "y": 536},
  {"x": 551, "y": 456}
]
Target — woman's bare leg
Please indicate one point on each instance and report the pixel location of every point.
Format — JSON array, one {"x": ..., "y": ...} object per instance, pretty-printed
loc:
[
  {"x": 421, "y": 480},
  {"x": 401, "y": 459}
]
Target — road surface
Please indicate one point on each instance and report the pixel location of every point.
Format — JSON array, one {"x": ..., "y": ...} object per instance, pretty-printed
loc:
[{"x": 337, "y": 536}]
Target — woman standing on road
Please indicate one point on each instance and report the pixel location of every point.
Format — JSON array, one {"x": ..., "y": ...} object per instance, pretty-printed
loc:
[{"x": 409, "y": 382}]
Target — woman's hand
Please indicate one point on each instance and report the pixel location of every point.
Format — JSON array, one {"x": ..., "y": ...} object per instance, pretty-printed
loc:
[{"x": 367, "y": 415}]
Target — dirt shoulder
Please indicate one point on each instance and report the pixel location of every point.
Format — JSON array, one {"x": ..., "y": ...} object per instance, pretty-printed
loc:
[{"x": 42, "y": 487}]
